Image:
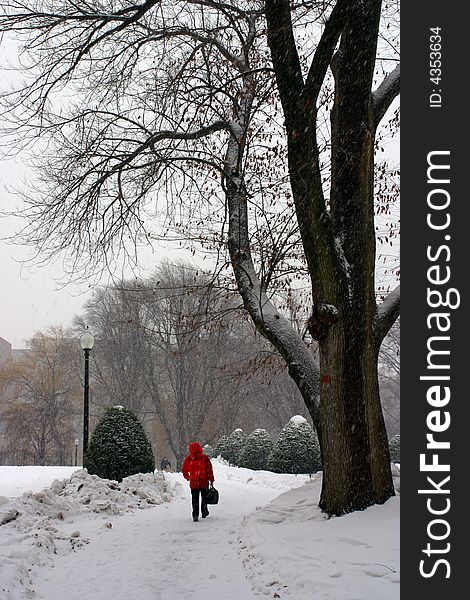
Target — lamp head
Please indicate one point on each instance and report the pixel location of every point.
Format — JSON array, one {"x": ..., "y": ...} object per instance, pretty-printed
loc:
[{"x": 87, "y": 341}]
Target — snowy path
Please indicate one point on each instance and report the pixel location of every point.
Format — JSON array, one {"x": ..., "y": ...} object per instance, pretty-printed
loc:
[
  {"x": 82, "y": 538},
  {"x": 160, "y": 554}
]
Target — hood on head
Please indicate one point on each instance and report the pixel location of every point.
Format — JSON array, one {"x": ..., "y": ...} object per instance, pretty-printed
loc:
[{"x": 195, "y": 448}]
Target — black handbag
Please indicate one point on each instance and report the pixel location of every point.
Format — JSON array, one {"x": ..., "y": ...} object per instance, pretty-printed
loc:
[{"x": 212, "y": 496}]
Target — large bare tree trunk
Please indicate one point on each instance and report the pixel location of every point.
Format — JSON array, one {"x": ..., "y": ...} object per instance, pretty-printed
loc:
[
  {"x": 354, "y": 442},
  {"x": 339, "y": 241}
]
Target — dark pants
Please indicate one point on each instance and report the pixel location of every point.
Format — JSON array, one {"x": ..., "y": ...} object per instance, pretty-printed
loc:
[{"x": 195, "y": 501}]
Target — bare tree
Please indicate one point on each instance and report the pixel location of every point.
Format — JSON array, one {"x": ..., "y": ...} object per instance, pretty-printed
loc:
[
  {"x": 173, "y": 96},
  {"x": 39, "y": 413},
  {"x": 121, "y": 353},
  {"x": 170, "y": 348},
  {"x": 185, "y": 319},
  {"x": 14, "y": 443},
  {"x": 339, "y": 238}
]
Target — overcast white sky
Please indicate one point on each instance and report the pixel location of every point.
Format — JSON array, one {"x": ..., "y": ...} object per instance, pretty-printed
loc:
[
  {"x": 31, "y": 298},
  {"x": 28, "y": 299}
]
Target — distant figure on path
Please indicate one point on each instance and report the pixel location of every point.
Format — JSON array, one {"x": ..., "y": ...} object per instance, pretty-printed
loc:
[
  {"x": 165, "y": 465},
  {"x": 197, "y": 469}
]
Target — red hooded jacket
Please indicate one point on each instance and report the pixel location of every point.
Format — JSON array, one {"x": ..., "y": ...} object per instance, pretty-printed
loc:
[{"x": 197, "y": 467}]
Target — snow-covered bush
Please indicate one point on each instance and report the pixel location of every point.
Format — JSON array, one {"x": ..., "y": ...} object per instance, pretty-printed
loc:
[
  {"x": 256, "y": 450},
  {"x": 394, "y": 446},
  {"x": 207, "y": 449},
  {"x": 296, "y": 450},
  {"x": 119, "y": 447},
  {"x": 220, "y": 446},
  {"x": 233, "y": 446}
]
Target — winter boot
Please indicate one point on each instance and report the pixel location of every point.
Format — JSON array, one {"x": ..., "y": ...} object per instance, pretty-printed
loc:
[{"x": 195, "y": 519}]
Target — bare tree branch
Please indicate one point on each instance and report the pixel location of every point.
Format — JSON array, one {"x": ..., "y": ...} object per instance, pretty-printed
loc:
[
  {"x": 384, "y": 95},
  {"x": 324, "y": 52},
  {"x": 284, "y": 53},
  {"x": 387, "y": 313}
]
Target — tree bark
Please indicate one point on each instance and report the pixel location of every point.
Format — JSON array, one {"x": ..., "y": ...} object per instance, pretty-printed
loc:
[
  {"x": 352, "y": 210},
  {"x": 339, "y": 242},
  {"x": 354, "y": 442}
]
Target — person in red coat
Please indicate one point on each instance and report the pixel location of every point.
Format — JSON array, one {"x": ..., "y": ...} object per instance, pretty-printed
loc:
[{"x": 197, "y": 469}]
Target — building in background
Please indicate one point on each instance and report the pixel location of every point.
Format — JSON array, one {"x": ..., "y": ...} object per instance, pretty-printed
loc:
[{"x": 8, "y": 353}]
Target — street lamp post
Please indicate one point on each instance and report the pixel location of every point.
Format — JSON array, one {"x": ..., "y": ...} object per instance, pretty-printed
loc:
[{"x": 86, "y": 342}]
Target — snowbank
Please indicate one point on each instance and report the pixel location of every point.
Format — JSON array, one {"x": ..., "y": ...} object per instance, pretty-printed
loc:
[
  {"x": 265, "y": 479},
  {"x": 37, "y": 525},
  {"x": 290, "y": 549}
]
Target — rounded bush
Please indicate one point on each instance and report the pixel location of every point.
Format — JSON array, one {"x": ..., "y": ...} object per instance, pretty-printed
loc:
[
  {"x": 220, "y": 446},
  {"x": 119, "y": 446},
  {"x": 256, "y": 450},
  {"x": 233, "y": 446},
  {"x": 296, "y": 450},
  {"x": 394, "y": 447},
  {"x": 207, "y": 449}
]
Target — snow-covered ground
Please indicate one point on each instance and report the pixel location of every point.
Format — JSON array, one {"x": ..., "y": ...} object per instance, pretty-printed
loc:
[{"x": 88, "y": 538}]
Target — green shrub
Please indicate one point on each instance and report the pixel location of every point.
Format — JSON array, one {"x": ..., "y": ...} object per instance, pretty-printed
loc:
[
  {"x": 220, "y": 446},
  {"x": 207, "y": 449},
  {"x": 394, "y": 447},
  {"x": 296, "y": 450},
  {"x": 233, "y": 446},
  {"x": 119, "y": 447},
  {"x": 256, "y": 450}
]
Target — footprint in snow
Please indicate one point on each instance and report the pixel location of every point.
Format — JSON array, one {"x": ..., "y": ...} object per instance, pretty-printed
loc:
[{"x": 377, "y": 571}]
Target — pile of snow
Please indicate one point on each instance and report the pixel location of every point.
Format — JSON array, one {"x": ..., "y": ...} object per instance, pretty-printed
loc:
[
  {"x": 290, "y": 549},
  {"x": 264, "y": 479},
  {"x": 37, "y": 525},
  {"x": 84, "y": 492}
]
